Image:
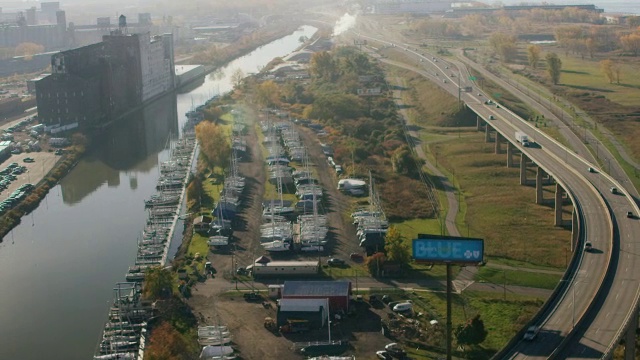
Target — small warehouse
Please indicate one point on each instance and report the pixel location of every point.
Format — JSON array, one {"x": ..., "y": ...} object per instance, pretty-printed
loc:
[
  {"x": 312, "y": 311},
  {"x": 338, "y": 292}
]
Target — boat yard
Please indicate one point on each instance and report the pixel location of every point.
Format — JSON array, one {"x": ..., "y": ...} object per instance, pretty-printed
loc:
[{"x": 124, "y": 332}]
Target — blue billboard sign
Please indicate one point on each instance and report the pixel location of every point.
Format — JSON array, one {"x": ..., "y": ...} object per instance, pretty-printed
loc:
[{"x": 446, "y": 249}]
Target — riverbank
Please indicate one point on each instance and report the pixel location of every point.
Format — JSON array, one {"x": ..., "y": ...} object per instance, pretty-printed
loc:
[{"x": 43, "y": 172}]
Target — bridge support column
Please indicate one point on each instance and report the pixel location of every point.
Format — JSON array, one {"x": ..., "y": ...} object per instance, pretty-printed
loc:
[
  {"x": 630, "y": 338},
  {"x": 523, "y": 169},
  {"x": 479, "y": 123},
  {"x": 498, "y": 150},
  {"x": 575, "y": 231},
  {"x": 539, "y": 195},
  {"x": 509, "y": 154},
  {"x": 487, "y": 134},
  {"x": 559, "y": 190}
]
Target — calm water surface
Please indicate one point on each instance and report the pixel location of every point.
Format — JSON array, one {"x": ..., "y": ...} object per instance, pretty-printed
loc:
[{"x": 59, "y": 266}]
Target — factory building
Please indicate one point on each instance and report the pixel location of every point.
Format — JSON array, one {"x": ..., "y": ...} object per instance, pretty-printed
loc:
[
  {"x": 96, "y": 84},
  {"x": 47, "y": 27}
]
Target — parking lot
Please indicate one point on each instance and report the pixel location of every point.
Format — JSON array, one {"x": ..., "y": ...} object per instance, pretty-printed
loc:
[{"x": 35, "y": 171}]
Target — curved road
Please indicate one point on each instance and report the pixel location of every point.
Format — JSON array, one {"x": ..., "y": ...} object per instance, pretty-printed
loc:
[{"x": 605, "y": 286}]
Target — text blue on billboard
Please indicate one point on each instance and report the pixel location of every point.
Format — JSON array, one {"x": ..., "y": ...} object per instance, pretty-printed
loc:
[{"x": 441, "y": 249}]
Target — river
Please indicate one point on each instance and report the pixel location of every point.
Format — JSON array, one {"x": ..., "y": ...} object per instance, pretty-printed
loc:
[{"x": 59, "y": 266}]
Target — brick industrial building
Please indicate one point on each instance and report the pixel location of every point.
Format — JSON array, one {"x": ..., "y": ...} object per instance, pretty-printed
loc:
[{"x": 96, "y": 84}]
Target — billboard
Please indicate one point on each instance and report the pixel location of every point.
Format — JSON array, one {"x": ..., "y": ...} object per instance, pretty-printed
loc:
[{"x": 448, "y": 249}]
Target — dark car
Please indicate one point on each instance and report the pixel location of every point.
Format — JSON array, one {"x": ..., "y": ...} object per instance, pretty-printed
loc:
[
  {"x": 28, "y": 160},
  {"x": 630, "y": 214},
  {"x": 335, "y": 262},
  {"x": 356, "y": 257},
  {"x": 395, "y": 350}
]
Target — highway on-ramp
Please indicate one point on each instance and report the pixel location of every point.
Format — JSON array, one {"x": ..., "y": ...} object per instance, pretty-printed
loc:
[{"x": 588, "y": 318}]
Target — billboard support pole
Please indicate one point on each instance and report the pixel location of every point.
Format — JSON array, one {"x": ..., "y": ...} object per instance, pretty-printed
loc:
[{"x": 449, "y": 311}]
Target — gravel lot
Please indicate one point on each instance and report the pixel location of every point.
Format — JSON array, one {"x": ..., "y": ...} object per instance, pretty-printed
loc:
[{"x": 245, "y": 319}]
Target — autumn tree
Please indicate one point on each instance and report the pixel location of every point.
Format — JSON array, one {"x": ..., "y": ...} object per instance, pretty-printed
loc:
[
  {"x": 268, "y": 94},
  {"x": 504, "y": 45},
  {"x": 396, "y": 246},
  {"x": 533, "y": 54},
  {"x": 322, "y": 66},
  {"x": 158, "y": 283},
  {"x": 471, "y": 333},
  {"x": 215, "y": 148},
  {"x": 631, "y": 43},
  {"x": 606, "y": 66},
  {"x": 237, "y": 77},
  {"x": 554, "y": 66},
  {"x": 166, "y": 343},
  {"x": 194, "y": 192},
  {"x": 28, "y": 49},
  {"x": 375, "y": 262}
]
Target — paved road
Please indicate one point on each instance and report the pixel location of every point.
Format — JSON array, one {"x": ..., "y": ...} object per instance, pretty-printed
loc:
[{"x": 588, "y": 290}]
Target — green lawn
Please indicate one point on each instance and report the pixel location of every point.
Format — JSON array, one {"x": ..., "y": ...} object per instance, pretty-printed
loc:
[
  {"x": 586, "y": 75},
  {"x": 519, "y": 278}
]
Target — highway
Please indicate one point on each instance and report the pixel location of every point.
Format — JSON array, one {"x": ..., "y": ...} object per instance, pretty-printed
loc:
[{"x": 595, "y": 306}]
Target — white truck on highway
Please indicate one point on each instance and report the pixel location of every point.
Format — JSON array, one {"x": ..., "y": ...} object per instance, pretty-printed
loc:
[{"x": 522, "y": 138}]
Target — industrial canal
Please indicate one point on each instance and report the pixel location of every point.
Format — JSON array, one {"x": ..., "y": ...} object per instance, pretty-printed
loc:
[{"x": 58, "y": 268}]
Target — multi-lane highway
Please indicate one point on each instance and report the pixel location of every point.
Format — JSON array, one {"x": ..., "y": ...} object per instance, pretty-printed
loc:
[{"x": 588, "y": 317}]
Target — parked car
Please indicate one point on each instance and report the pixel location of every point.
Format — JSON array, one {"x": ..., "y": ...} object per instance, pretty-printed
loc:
[
  {"x": 356, "y": 257},
  {"x": 395, "y": 350},
  {"x": 28, "y": 160},
  {"x": 335, "y": 262},
  {"x": 403, "y": 306},
  {"x": 531, "y": 333}
]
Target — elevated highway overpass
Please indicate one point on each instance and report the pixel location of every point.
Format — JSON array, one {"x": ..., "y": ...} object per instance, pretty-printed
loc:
[{"x": 598, "y": 300}]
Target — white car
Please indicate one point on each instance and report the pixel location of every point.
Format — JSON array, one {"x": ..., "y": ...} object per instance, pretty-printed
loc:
[{"x": 403, "y": 306}]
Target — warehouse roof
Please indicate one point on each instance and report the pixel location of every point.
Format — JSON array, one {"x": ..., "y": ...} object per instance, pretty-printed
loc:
[
  {"x": 304, "y": 305},
  {"x": 316, "y": 288}
]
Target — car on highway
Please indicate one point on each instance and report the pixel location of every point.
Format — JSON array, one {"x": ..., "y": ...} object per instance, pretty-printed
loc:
[
  {"x": 591, "y": 170},
  {"x": 444, "y": 81},
  {"x": 479, "y": 94},
  {"x": 335, "y": 262},
  {"x": 614, "y": 190},
  {"x": 630, "y": 214},
  {"x": 531, "y": 333},
  {"x": 587, "y": 246},
  {"x": 491, "y": 117}
]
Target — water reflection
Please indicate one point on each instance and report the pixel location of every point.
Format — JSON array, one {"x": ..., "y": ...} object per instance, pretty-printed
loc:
[{"x": 132, "y": 144}]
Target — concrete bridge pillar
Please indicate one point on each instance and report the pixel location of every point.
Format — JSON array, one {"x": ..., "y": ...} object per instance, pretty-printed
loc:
[
  {"x": 575, "y": 231},
  {"x": 487, "y": 135},
  {"x": 498, "y": 150},
  {"x": 479, "y": 123},
  {"x": 630, "y": 338},
  {"x": 539, "y": 195},
  {"x": 509, "y": 154},
  {"x": 558, "y": 221},
  {"x": 523, "y": 169}
]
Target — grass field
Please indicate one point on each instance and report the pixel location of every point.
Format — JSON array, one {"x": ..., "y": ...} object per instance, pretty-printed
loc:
[
  {"x": 585, "y": 75},
  {"x": 502, "y": 318},
  {"x": 520, "y": 278}
]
